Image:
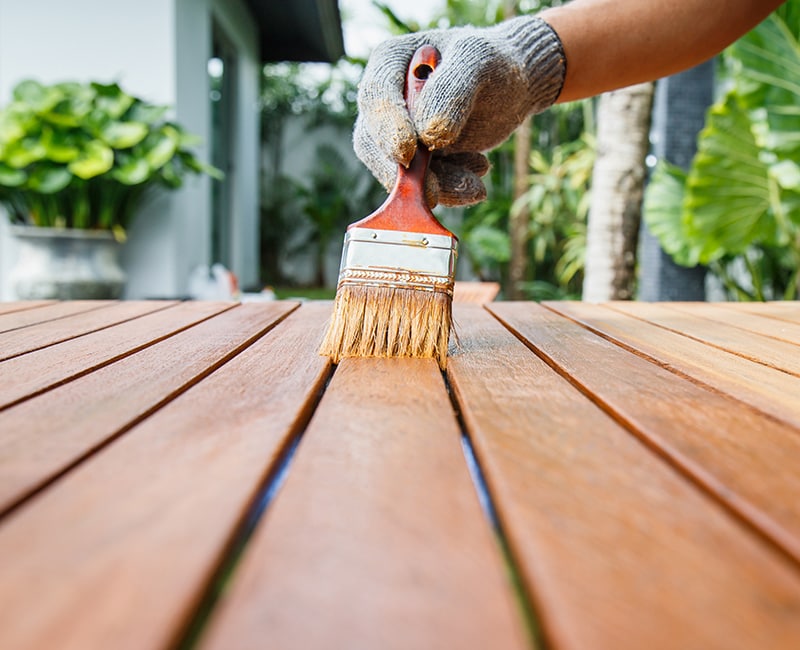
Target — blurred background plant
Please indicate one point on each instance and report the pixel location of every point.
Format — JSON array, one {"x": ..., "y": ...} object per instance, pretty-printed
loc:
[
  {"x": 309, "y": 109},
  {"x": 738, "y": 208},
  {"x": 85, "y": 155}
]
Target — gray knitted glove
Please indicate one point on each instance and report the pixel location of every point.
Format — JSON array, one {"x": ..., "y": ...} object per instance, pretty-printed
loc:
[{"x": 489, "y": 80}]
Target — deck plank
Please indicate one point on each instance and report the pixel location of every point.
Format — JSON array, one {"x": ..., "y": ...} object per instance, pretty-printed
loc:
[
  {"x": 118, "y": 552},
  {"x": 616, "y": 548},
  {"x": 747, "y": 460},
  {"x": 37, "y": 371},
  {"x": 22, "y": 305},
  {"x": 43, "y": 436},
  {"x": 377, "y": 539},
  {"x": 776, "y": 354},
  {"x": 786, "y": 310},
  {"x": 17, "y": 319},
  {"x": 748, "y": 321},
  {"x": 760, "y": 386},
  {"x": 51, "y": 332}
]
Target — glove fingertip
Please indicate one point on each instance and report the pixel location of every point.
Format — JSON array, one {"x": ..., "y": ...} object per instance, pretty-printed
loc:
[
  {"x": 439, "y": 132},
  {"x": 458, "y": 185}
]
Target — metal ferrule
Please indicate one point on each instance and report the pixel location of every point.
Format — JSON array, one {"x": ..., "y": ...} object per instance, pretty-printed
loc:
[{"x": 398, "y": 259}]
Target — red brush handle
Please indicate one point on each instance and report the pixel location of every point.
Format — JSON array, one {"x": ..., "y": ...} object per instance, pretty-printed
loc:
[{"x": 406, "y": 208}]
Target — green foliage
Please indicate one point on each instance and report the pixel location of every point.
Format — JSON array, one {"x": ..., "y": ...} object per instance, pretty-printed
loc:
[
  {"x": 558, "y": 204},
  {"x": 336, "y": 196},
  {"x": 336, "y": 191},
  {"x": 739, "y": 205},
  {"x": 82, "y": 155}
]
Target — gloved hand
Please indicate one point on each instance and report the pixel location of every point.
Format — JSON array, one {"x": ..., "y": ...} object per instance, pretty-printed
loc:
[{"x": 488, "y": 81}]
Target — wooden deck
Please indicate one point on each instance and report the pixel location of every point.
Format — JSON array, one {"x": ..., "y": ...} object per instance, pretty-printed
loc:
[{"x": 194, "y": 475}]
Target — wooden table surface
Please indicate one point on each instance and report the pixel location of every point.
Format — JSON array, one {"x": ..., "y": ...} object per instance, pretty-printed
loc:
[{"x": 194, "y": 475}]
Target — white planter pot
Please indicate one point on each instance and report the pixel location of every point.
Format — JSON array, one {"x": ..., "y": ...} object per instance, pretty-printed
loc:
[{"x": 64, "y": 264}]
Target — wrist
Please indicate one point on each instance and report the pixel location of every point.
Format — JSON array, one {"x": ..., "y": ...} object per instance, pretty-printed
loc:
[{"x": 538, "y": 50}]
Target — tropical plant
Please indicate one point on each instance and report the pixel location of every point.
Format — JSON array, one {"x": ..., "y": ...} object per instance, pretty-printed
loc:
[
  {"x": 558, "y": 203},
  {"x": 84, "y": 155},
  {"x": 738, "y": 208},
  {"x": 335, "y": 196}
]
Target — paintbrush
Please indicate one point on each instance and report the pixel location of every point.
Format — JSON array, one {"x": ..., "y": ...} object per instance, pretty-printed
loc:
[{"x": 395, "y": 291}]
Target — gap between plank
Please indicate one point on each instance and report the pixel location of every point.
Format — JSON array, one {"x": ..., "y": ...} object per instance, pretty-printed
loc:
[
  {"x": 99, "y": 329},
  {"x": 190, "y": 634},
  {"x": 521, "y": 596},
  {"x": 656, "y": 362},
  {"x": 741, "y": 355},
  {"x": 143, "y": 416},
  {"x": 123, "y": 355},
  {"x": 744, "y": 513}
]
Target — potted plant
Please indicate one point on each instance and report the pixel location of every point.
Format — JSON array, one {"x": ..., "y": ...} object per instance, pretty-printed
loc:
[{"x": 76, "y": 162}]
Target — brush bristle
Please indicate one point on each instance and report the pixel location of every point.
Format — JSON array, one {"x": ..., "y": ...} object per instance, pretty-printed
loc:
[{"x": 370, "y": 321}]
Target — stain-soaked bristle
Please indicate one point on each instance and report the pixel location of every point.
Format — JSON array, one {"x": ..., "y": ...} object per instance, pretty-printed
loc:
[{"x": 370, "y": 321}]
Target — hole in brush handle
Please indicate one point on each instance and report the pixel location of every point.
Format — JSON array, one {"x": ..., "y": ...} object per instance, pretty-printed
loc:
[
  {"x": 425, "y": 60},
  {"x": 423, "y": 71}
]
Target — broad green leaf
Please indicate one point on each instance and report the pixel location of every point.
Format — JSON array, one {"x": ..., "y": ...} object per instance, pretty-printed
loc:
[
  {"x": 11, "y": 128},
  {"x": 123, "y": 135},
  {"x": 770, "y": 55},
  {"x": 132, "y": 172},
  {"x": 789, "y": 12},
  {"x": 61, "y": 146},
  {"x": 190, "y": 161},
  {"x": 170, "y": 176},
  {"x": 727, "y": 202},
  {"x": 24, "y": 152},
  {"x": 10, "y": 177},
  {"x": 787, "y": 174},
  {"x": 75, "y": 104},
  {"x": 39, "y": 97},
  {"x": 112, "y": 100},
  {"x": 147, "y": 113},
  {"x": 97, "y": 158},
  {"x": 663, "y": 212},
  {"x": 488, "y": 244},
  {"x": 49, "y": 179},
  {"x": 769, "y": 78},
  {"x": 161, "y": 147}
]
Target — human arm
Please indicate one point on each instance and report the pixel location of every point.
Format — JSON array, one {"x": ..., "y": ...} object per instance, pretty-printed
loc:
[
  {"x": 491, "y": 78},
  {"x": 611, "y": 44}
]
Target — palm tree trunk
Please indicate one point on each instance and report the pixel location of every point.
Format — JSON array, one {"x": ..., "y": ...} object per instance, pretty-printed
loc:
[{"x": 623, "y": 127}]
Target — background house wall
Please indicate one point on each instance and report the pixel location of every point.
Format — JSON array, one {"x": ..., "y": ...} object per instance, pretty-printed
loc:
[{"x": 159, "y": 50}]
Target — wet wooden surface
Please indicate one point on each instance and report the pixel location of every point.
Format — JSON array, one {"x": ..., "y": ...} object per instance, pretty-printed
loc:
[{"x": 194, "y": 475}]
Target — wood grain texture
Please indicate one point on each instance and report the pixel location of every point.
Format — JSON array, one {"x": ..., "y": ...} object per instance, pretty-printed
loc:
[
  {"x": 377, "y": 539},
  {"x": 118, "y": 555},
  {"x": 748, "y": 321},
  {"x": 617, "y": 549},
  {"x": 748, "y": 461},
  {"x": 51, "y": 332},
  {"x": 786, "y": 310},
  {"x": 764, "y": 388},
  {"x": 43, "y": 436},
  {"x": 24, "y": 318},
  {"x": 777, "y": 354},
  {"x": 477, "y": 293},
  {"x": 32, "y": 373},
  {"x": 21, "y": 305}
]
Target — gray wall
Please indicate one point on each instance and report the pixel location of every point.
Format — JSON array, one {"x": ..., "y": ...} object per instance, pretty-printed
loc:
[{"x": 157, "y": 49}]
